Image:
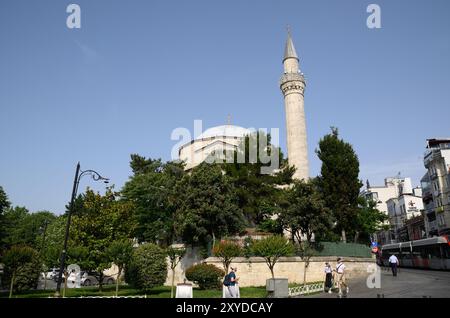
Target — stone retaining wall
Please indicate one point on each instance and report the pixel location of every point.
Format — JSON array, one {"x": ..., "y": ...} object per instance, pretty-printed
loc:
[{"x": 254, "y": 271}]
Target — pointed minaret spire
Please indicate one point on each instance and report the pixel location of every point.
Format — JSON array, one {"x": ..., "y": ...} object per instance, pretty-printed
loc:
[{"x": 289, "y": 51}]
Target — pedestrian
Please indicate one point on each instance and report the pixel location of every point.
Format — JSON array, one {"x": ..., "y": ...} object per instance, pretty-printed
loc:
[
  {"x": 340, "y": 277},
  {"x": 230, "y": 282},
  {"x": 328, "y": 277},
  {"x": 393, "y": 261}
]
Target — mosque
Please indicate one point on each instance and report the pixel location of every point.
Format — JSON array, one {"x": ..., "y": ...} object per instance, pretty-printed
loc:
[{"x": 227, "y": 137}]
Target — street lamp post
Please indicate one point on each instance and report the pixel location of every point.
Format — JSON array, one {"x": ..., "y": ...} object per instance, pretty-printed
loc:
[
  {"x": 44, "y": 230},
  {"x": 96, "y": 176}
]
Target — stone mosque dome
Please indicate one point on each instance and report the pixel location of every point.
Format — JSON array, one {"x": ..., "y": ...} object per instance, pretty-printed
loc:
[{"x": 215, "y": 139}]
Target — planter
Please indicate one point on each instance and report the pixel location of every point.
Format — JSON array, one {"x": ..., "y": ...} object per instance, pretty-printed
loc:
[
  {"x": 277, "y": 287},
  {"x": 184, "y": 291}
]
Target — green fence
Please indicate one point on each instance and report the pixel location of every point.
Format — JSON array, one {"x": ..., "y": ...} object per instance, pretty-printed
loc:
[{"x": 343, "y": 249}]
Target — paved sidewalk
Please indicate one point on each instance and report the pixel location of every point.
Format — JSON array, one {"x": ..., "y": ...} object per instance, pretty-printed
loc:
[{"x": 409, "y": 283}]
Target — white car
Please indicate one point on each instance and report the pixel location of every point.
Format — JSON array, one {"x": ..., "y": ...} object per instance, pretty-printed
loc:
[{"x": 90, "y": 279}]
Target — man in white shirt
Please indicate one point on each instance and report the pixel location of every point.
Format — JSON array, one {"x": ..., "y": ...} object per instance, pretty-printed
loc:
[
  {"x": 340, "y": 273},
  {"x": 393, "y": 261}
]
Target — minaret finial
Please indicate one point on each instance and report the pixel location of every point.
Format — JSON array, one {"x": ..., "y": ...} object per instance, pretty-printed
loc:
[
  {"x": 229, "y": 119},
  {"x": 289, "y": 50}
]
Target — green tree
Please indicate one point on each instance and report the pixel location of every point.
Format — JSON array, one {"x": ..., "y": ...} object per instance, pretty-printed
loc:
[
  {"x": 175, "y": 255},
  {"x": 147, "y": 268},
  {"x": 22, "y": 268},
  {"x": 304, "y": 212},
  {"x": 119, "y": 253},
  {"x": 207, "y": 206},
  {"x": 339, "y": 181},
  {"x": 54, "y": 239},
  {"x": 13, "y": 220},
  {"x": 102, "y": 219},
  {"x": 271, "y": 249},
  {"x": 256, "y": 189},
  {"x": 24, "y": 228},
  {"x": 368, "y": 220},
  {"x": 227, "y": 251},
  {"x": 151, "y": 189},
  {"x": 4, "y": 205}
]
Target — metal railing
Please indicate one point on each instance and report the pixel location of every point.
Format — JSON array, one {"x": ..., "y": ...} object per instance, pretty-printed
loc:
[{"x": 306, "y": 289}]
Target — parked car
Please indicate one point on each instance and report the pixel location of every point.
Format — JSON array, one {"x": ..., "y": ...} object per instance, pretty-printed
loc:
[
  {"x": 52, "y": 273},
  {"x": 90, "y": 279}
]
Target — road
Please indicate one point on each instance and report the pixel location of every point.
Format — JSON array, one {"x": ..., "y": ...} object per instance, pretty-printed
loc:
[{"x": 409, "y": 283}]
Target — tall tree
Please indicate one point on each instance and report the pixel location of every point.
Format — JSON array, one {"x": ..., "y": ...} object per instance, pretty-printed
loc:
[
  {"x": 256, "y": 188},
  {"x": 339, "y": 181},
  {"x": 207, "y": 207},
  {"x": 151, "y": 189}
]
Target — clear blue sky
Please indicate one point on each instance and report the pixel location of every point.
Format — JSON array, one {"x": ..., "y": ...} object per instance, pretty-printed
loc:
[{"x": 138, "y": 69}]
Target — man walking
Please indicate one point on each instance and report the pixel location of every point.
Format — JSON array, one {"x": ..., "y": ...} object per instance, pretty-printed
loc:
[
  {"x": 393, "y": 261},
  {"x": 341, "y": 280}
]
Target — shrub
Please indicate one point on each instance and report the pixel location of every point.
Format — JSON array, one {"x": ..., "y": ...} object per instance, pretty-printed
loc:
[
  {"x": 207, "y": 276},
  {"x": 147, "y": 267}
]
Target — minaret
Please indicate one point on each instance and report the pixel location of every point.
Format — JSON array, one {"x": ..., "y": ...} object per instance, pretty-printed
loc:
[{"x": 292, "y": 85}]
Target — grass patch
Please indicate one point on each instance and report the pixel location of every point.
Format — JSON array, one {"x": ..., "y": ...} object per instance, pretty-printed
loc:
[{"x": 157, "y": 292}]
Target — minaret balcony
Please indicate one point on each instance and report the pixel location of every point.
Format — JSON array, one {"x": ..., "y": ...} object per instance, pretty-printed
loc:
[{"x": 292, "y": 77}]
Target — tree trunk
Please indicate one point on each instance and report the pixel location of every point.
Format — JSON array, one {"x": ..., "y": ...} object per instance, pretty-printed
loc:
[
  {"x": 173, "y": 282},
  {"x": 344, "y": 237},
  {"x": 356, "y": 236},
  {"x": 214, "y": 240},
  {"x": 305, "y": 267},
  {"x": 12, "y": 284},
  {"x": 117, "y": 281},
  {"x": 100, "y": 282},
  {"x": 271, "y": 270}
]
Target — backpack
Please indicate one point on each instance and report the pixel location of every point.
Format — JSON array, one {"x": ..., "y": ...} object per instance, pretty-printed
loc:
[{"x": 227, "y": 280}]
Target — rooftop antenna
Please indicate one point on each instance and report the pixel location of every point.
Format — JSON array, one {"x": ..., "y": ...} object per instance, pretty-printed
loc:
[{"x": 229, "y": 119}]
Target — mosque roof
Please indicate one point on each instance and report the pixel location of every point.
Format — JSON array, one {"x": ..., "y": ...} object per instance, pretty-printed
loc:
[{"x": 224, "y": 130}]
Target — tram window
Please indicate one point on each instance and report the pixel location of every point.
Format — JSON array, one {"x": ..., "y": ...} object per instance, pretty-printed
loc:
[
  {"x": 446, "y": 251},
  {"x": 435, "y": 251},
  {"x": 405, "y": 255}
]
